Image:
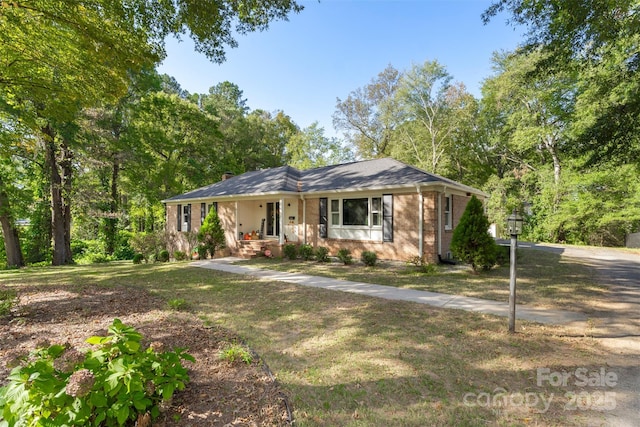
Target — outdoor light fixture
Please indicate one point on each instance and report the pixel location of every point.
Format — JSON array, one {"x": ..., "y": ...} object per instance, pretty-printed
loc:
[
  {"x": 514, "y": 223},
  {"x": 514, "y": 227}
]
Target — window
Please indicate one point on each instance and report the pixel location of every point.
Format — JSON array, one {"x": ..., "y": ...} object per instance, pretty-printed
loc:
[
  {"x": 178, "y": 215},
  {"x": 187, "y": 217},
  {"x": 376, "y": 218},
  {"x": 355, "y": 211},
  {"x": 335, "y": 212},
  {"x": 203, "y": 212},
  {"x": 448, "y": 208}
]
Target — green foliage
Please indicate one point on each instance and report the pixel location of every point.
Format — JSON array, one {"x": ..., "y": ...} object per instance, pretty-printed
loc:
[
  {"x": 236, "y": 353},
  {"x": 148, "y": 244},
  {"x": 322, "y": 254},
  {"x": 306, "y": 252},
  {"x": 163, "y": 256},
  {"x": 423, "y": 266},
  {"x": 179, "y": 255},
  {"x": 110, "y": 385},
  {"x": 178, "y": 304},
  {"x": 369, "y": 258},
  {"x": 471, "y": 241},
  {"x": 138, "y": 258},
  {"x": 290, "y": 251},
  {"x": 7, "y": 300},
  {"x": 211, "y": 234},
  {"x": 344, "y": 255}
]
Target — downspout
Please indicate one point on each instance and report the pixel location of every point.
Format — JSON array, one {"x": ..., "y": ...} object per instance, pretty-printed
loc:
[
  {"x": 420, "y": 222},
  {"x": 281, "y": 240}
]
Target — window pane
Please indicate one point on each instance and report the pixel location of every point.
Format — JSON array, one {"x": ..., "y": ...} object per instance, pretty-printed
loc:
[
  {"x": 376, "y": 218},
  {"x": 355, "y": 211},
  {"x": 335, "y": 205},
  {"x": 375, "y": 204},
  {"x": 335, "y": 219}
]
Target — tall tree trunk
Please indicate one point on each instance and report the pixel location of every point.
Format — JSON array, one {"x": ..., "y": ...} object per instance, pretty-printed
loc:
[
  {"x": 9, "y": 231},
  {"x": 60, "y": 176},
  {"x": 111, "y": 222}
]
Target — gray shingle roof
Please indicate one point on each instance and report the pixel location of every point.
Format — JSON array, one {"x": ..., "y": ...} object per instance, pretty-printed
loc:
[{"x": 378, "y": 173}]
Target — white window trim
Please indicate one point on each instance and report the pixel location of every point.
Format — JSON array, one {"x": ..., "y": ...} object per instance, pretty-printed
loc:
[
  {"x": 448, "y": 212},
  {"x": 368, "y": 232}
]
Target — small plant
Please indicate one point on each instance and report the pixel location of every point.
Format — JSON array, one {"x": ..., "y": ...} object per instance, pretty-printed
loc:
[
  {"x": 344, "y": 255},
  {"x": 179, "y": 255},
  {"x": 290, "y": 251},
  {"x": 178, "y": 304},
  {"x": 306, "y": 252},
  {"x": 422, "y": 264},
  {"x": 138, "y": 258},
  {"x": 116, "y": 383},
  {"x": 322, "y": 254},
  {"x": 369, "y": 258},
  {"x": 163, "y": 256},
  {"x": 236, "y": 353},
  {"x": 7, "y": 300}
]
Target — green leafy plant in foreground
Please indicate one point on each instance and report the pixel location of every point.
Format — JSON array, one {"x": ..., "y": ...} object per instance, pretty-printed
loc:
[{"x": 115, "y": 383}]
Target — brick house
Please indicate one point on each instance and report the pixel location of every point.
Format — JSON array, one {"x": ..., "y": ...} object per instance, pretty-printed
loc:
[{"x": 382, "y": 205}]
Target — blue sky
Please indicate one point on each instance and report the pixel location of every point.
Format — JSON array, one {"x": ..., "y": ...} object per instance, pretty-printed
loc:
[{"x": 332, "y": 47}]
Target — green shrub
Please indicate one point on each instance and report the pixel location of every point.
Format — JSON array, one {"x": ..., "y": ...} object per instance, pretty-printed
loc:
[
  {"x": 110, "y": 385},
  {"x": 306, "y": 252},
  {"x": 163, "y": 256},
  {"x": 369, "y": 258},
  {"x": 290, "y": 251},
  {"x": 235, "y": 353},
  {"x": 179, "y": 255},
  {"x": 423, "y": 265},
  {"x": 7, "y": 300},
  {"x": 471, "y": 241},
  {"x": 123, "y": 248},
  {"x": 138, "y": 258},
  {"x": 322, "y": 254},
  {"x": 178, "y": 304},
  {"x": 211, "y": 235},
  {"x": 344, "y": 255}
]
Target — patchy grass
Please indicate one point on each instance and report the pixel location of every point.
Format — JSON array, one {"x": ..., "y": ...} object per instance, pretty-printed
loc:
[
  {"x": 543, "y": 279},
  {"x": 353, "y": 360}
]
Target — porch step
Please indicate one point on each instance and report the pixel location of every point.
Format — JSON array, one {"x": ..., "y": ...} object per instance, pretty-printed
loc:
[{"x": 250, "y": 248}]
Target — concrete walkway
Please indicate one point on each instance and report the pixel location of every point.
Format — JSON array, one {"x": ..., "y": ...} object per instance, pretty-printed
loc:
[{"x": 531, "y": 314}]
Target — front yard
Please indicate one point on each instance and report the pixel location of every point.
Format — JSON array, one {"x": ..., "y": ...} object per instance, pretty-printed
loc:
[{"x": 345, "y": 359}]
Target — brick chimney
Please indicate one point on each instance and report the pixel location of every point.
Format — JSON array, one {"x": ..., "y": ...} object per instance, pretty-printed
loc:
[
  {"x": 299, "y": 186},
  {"x": 227, "y": 175}
]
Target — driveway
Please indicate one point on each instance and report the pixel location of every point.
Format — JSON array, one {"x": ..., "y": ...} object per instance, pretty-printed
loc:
[{"x": 616, "y": 323}]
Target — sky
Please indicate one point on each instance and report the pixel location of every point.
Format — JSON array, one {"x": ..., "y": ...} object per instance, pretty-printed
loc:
[{"x": 331, "y": 48}]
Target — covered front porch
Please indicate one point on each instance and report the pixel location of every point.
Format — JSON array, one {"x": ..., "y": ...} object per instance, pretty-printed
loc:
[{"x": 266, "y": 224}]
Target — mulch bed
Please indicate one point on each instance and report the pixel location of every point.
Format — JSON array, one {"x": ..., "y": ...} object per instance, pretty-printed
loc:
[{"x": 220, "y": 393}]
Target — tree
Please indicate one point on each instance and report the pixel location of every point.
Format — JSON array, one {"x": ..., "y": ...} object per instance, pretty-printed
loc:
[
  {"x": 57, "y": 58},
  {"x": 471, "y": 241},
  {"x": 367, "y": 116},
  {"x": 600, "y": 39},
  {"x": 310, "y": 149},
  {"x": 427, "y": 101},
  {"x": 211, "y": 234}
]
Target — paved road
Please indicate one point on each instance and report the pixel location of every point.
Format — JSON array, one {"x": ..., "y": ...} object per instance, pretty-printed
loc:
[{"x": 616, "y": 324}]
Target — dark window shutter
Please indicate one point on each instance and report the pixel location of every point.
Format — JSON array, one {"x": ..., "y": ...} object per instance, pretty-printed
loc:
[
  {"x": 387, "y": 217},
  {"x": 188, "y": 216},
  {"x": 179, "y": 216},
  {"x": 323, "y": 217}
]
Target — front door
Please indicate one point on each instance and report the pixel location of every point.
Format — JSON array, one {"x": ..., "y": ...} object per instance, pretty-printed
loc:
[{"x": 273, "y": 219}]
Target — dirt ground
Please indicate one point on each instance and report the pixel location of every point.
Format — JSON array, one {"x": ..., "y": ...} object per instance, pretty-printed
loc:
[{"x": 220, "y": 393}]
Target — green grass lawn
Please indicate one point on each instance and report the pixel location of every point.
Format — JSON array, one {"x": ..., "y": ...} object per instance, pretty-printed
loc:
[
  {"x": 348, "y": 359},
  {"x": 543, "y": 279}
]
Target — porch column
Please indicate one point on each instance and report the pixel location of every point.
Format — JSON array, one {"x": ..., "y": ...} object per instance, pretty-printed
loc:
[
  {"x": 281, "y": 221},
  {"x": 235, "y": 235},
  {"x": 304, "y": 220}
]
